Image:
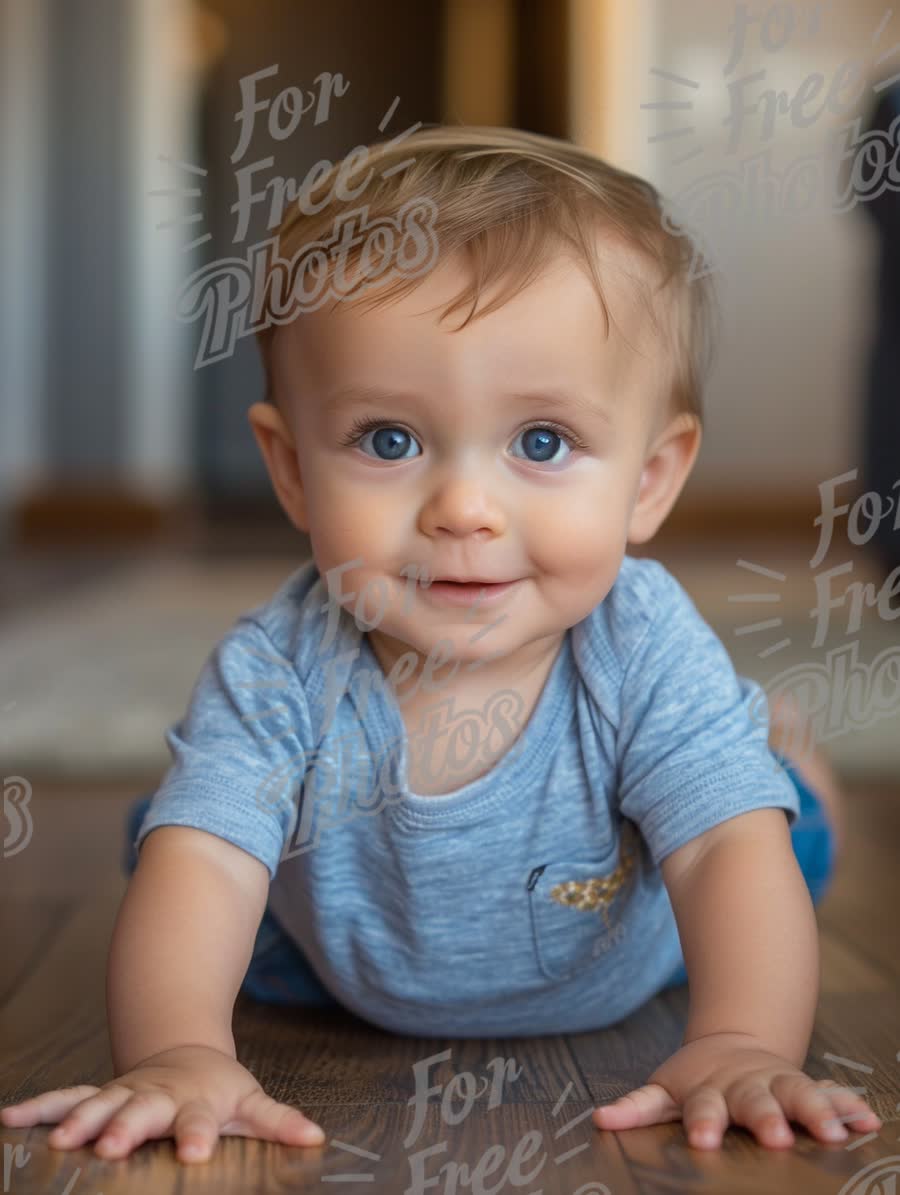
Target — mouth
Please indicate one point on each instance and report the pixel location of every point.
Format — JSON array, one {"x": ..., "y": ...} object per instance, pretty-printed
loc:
[
  {"x": 469, "y": 581},
  {"x": 458, "y": 592}
]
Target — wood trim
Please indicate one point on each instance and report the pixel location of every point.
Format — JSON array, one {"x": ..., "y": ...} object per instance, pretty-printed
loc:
[
  {"x": 609, "y": 43},
  {"x": 81, "y": 514},
  {"x": 78, "y": 514},
  {"x": 541, "y": 78},
  {"x": 478, "y": 42},
  {"x": 787, "y": 513}
]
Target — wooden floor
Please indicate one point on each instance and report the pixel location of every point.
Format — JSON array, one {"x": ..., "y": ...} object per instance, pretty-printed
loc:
[{"x": 59, "y": 898}]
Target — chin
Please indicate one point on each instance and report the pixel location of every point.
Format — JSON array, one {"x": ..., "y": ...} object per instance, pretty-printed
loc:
[{"x": 448, "y": 646}]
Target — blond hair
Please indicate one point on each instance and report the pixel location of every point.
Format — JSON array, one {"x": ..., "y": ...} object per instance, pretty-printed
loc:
[{"x": 511, "y": 199}]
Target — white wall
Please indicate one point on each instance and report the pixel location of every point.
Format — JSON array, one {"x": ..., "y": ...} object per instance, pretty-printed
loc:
[
  {"x": 162, "y": 98},
  {"x": 784, "y": 402}
]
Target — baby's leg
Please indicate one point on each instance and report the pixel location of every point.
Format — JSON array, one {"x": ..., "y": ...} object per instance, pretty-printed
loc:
[
  {"x": 279, "y": 972},
  {"x": 789, "y": 728}
]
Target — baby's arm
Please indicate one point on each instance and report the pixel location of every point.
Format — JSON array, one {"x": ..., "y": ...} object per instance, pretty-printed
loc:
[
  {"x": 182, "y": 944},
  {"x": 748, "y": 933},
  {"x": 180, "y": 948},
  {"x": 750, "y": 942}
]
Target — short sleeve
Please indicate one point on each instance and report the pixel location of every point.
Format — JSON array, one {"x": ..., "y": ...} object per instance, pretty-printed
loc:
[
  {"x": 238, "y": 753},
  {"x": 692, "y": 746}
]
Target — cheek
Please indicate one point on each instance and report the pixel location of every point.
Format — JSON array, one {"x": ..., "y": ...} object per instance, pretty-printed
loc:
[
  {"x": 575, "y": 532},
  {"x": 345, "y": 521},
  {"x": 339, "y": 537}
]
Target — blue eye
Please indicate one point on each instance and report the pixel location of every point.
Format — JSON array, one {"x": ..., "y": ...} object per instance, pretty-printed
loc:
[
  {"x": 544, "y": 442},
  {"x": 390, "y": 442}
]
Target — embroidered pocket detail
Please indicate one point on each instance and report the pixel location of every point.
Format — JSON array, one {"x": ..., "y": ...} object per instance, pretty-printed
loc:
[
  {"x": 575, "y": 907},
  {"x": 597, "y": 892}
]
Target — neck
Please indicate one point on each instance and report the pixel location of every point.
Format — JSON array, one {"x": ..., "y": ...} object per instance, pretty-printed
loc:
[{"x": 517, "y": 670}]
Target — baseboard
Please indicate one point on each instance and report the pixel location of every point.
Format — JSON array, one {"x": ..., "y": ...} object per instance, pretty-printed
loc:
[
  {"x": 76, "y": 514},
  {"x": 81, "y": 514},
  {"x": 785, "y": 513}
]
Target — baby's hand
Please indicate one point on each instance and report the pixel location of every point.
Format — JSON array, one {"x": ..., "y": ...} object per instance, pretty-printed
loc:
[
  {"x": 727, "y": 1077},
  {"x": 191, "y": 1093}
]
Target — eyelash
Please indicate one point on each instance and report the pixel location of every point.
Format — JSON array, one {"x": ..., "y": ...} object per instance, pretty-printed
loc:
[{"x": 369, "y": 423}]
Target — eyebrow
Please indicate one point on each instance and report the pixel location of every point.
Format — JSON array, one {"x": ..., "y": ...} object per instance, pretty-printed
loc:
[{"x": 558, "y": 399}]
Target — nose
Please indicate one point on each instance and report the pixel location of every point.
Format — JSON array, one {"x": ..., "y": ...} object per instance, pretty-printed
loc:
[{"x": 460, "y": 503}]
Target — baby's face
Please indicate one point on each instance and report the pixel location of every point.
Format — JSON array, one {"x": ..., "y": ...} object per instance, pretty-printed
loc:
[{"x": 509, "y": 451}]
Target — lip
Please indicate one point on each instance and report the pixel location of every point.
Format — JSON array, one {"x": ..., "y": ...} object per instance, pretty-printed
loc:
[
  {"x": 474, "y": 580},
  {"x": 453, "y": 593}
]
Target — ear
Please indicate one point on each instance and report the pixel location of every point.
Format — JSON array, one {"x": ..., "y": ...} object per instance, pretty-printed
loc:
[
  {"x": 276, "y": 444},
  {"x": 667, "y": 467}
]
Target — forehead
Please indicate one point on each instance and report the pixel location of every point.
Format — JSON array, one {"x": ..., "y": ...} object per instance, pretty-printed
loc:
[{"x": 553, "y": 329}]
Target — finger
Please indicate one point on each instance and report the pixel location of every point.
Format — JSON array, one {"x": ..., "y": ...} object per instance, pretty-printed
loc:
[
  {"x": 146, "y": 1114},
  {"x": 752, "y": 1103},
  {"x": 261, "y": 1116},
  {"x": 196, "y": 1132},
  {"x": 650, "y": 1104},
  {"x": 85, "y": 1120},
  {"x": 705, "y": 1116},
  {"x": 851, "y": 1107},
  {"x": 810, "y": 1105},
  {"x": 848, "y": 1107},
  {"x": 47, "y": 1108}
]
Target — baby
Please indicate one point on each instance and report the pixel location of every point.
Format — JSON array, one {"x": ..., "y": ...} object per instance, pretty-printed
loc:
[{"x": 473, "y": 770}]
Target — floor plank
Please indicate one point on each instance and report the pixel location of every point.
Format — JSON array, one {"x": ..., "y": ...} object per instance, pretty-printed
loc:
[{"x": 357, "y": 1080}]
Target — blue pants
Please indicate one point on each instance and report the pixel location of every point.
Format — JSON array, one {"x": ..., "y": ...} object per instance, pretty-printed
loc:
[{"x": 279, "y": 973}]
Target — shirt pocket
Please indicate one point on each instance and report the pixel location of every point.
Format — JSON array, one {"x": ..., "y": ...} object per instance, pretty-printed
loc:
[{"x": 576, "y": 907}]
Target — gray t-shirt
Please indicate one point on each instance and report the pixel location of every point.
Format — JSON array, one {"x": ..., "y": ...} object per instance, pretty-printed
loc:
[{"x": 528, "y": 901}]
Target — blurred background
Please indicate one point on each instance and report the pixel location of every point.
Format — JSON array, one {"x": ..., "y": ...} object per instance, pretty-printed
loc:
[{"x": 136, "y": 518}]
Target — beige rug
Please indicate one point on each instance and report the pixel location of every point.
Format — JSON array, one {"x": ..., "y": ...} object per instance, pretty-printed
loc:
[{"x": 89, "y": 684}]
